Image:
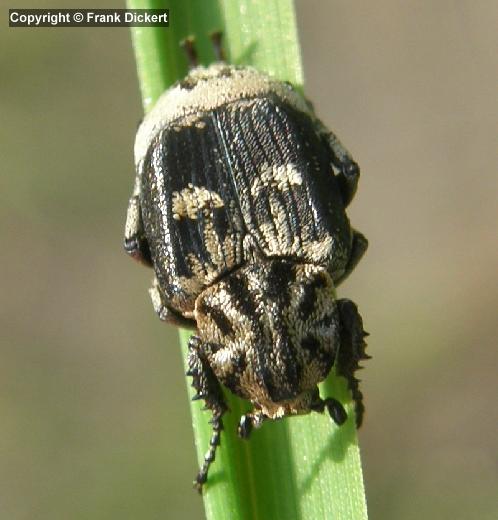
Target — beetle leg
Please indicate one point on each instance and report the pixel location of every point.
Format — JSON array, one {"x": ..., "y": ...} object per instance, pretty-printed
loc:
[
  {"x": 135, "y": 242},
  {"x": 216, "y": 37},
  {"x": 351, "y": 351},
  {"x": 349, "y": 171},
  {"x": 208, "y": 388},
  {"x": 164, "y": 312},
  {"x": 188, "y": 45},
  {"x": 358, "y": 248},
  {"x": 333, "y": 406},
  {"x": 248, "y": 422}
]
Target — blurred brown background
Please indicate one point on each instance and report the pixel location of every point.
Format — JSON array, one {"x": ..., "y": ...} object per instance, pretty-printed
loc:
[{"x": 95, "y": 422}]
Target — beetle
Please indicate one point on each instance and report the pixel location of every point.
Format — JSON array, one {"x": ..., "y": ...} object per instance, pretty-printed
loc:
[{"x": 239, "y": 207}]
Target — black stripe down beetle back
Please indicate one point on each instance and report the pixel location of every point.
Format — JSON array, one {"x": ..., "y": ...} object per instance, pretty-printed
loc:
[{"x": 239, "y": 207}]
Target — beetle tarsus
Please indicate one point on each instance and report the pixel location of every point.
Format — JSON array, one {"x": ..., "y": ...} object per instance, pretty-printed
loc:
[
  {"x": 208, "y": 388},
  {"x": 188, "y": 45},
  {"x": 216, "y": 38},
  {"x": 210, "y": 455}
]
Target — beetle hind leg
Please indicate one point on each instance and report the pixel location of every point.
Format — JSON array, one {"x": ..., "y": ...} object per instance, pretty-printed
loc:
[
  {"x": 208, "y": 388},
  {"x": 216, "y": 38},
  {"x": 351, "y": 351},
  {"x": 188, "y": 45}
]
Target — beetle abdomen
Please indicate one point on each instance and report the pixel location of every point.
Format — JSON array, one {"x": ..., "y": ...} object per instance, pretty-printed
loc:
[{"x": 253, "y": 166}]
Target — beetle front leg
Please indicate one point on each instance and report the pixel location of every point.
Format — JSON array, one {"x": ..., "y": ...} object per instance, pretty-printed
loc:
[
  {"x": 333, "y": 406},
  {"x": 351, "y": 351},
  {"x": 208, "y": 388},
  {"x": 135, "y": 241}
]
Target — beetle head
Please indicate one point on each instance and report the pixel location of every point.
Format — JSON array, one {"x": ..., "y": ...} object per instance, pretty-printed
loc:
[{"x": 270, "y": 332}]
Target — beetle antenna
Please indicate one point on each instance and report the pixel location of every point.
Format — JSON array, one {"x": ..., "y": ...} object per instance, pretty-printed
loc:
[
  {"x": 188, "y": 45},
  {"x": 216, "y": 37}
]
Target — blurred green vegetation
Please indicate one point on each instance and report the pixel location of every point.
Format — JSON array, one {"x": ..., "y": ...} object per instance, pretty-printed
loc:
[{"x": 95, "y": 422}]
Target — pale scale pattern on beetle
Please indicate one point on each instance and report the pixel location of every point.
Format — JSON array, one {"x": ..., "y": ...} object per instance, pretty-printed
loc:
[
  {"x": 192, "y": 202},
  {"x": 282, "y": 177}
]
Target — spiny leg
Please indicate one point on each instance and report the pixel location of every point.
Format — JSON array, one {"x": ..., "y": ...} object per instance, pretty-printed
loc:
[
  {"x": 135, "y": 242},
  {"x": 164, "y": 312},
  {"x": 188, "y": 45},
  {"x": 216, "y": 37},
  {"x": 208, "y": 388},
  {"x": 351, "y": 351},
  {"x": 358, "y": 247}
]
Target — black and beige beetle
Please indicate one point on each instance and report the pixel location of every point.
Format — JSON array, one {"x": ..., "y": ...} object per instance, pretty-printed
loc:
[{"x": 239, "y": 206}]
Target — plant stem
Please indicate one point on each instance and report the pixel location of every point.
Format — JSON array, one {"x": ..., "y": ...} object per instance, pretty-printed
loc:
[{"x": 298, "y": 468}]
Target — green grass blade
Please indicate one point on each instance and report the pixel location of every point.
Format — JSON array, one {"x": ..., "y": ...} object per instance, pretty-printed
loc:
[{"x": 299, "y": 468}]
